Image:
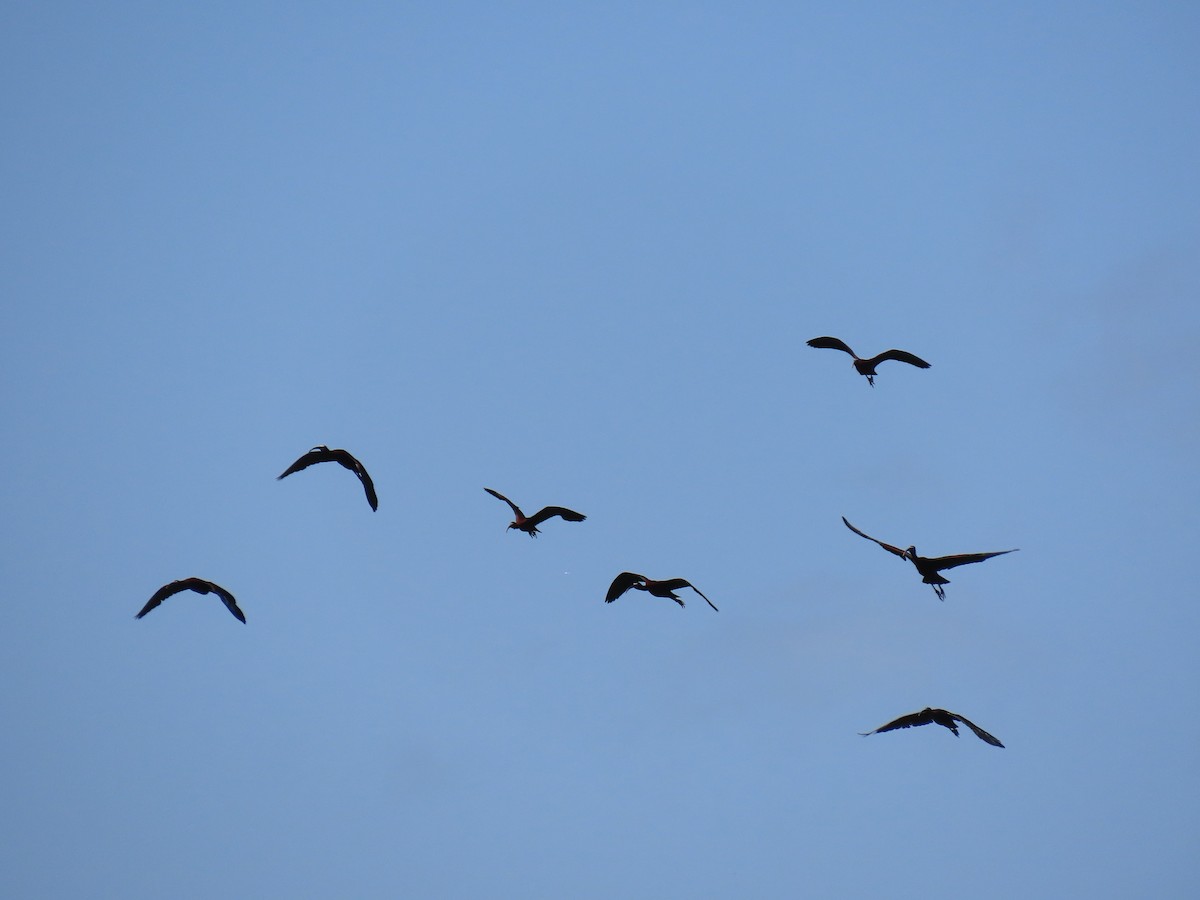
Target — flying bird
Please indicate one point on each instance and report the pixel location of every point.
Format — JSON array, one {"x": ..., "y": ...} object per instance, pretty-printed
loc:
[
  {"x": 939, "y": 716},
  {"x": 627, "y": 580},
  {"x": 200, "y": 586},
  {"x": 867, "y": 366},
  {"x": 530, "y": 525},
  {"x": 321, "y": 453},
  {"x": 929, "y": 567}
]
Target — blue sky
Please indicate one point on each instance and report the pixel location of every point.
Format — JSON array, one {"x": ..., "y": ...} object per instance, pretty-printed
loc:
[{"x": 573, "y": 253}]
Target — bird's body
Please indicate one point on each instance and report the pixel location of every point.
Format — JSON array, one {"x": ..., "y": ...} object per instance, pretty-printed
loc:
[
  {"x": 867, "y": 366},
  {"x": 529, "y": 524},
  {"x": 321, "y": 453},
  {"x": 930, "y": 567},
  {"x": 665, "y": 589},
  {"x": 200, "y": 586},
  {"x": 938, "y": 717}
]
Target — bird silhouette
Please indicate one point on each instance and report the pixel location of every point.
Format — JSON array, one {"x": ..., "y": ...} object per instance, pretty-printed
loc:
[
  {"x": 939, "y": 717},
  {"x": 867, "y": 366},
  {"x": 321, "y": 453},
  {"x": 929, "y": 567},
  {"x": 530, "y": 525},
  {"x": 627, "y": 580},
  {"x": 200, "y": 586}
]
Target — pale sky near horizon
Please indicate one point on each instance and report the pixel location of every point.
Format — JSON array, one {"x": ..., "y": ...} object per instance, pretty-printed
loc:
[{"x": 573, "y": 253}]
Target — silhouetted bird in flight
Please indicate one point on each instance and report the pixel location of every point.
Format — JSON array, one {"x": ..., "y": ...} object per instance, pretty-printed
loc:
[
  {"x": 530, "y": 525},
  {"x": 200, "y": 586},
  {"x": 938, "y": 716},
  {"x": 627, "y": 580},
  {"x": 867, "y": 366},
  {"x": 930, "y": 566},
  {"x": 321, "y": 453}
]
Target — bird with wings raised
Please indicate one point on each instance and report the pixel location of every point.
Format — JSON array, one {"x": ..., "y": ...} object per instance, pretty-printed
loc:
[
  {"x": 529, "y": 524},
  {"x": 939, "y": 717},
  {"x": 200, "y": 586},
  {"x": 321, "y": 453},
  {"x": 666, "y": 589},
  {"x": 867, "y": 366},
  {"x": 930, "y": 566}
]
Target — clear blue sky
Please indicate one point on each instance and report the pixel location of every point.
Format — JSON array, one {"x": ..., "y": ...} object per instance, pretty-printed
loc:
[{"x": 573, "y": 252}]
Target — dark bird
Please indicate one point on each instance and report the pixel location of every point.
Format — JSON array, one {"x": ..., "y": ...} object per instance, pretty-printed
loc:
[
  {"x": 939, "y": 716},
  {"x": 627, "y": 580},
  {"x": 929, "y": 567},
  {"x": 200, "y": 586},
  {"x": 867, "y": 366},
  {"x": 321, "y": 453},
  {"x": 530, "y": 525}
]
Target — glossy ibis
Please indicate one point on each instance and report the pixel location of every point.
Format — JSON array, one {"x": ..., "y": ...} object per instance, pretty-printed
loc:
[
  {"x": 938, "y": 716},
  {"x": 627, "y": 580},
  {"x": 867, "y": 366},
  {"x": 200, "y": 586},
  {"x": 530, "y": 525},
  {"x": 321, "y": 453},
  {"x": 929, "y": 567}
]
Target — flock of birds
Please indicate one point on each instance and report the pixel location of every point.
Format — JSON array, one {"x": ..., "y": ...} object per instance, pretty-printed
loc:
[{"x": 929, "y": 568}]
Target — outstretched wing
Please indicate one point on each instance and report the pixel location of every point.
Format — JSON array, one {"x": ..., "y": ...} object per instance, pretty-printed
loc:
[
  {"x": 979, "y": 732},
  {"x": 550, "y": 512},
  {"x": 917, "y": 718},
  {"x": 516, "y": 509},
  {"x": 361, "y": 471},
  {"x": 167, "y": 590},
  {"x": 313, "y": 456},
  {"x": 962, "y": 559},
  {"x": 831, "y": 343},
  {"x": 675, "y": 584},
  {"x": 621, "y": 584},
  {"x": 900, "y": 356},
  {"x": 888, "y": 547},
  {"x": 230, "y": 603}
]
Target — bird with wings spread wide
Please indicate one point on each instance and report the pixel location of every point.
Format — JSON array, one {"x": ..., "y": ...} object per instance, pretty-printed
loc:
[
  {"x": 321, "y": 453},
  {"x": 200, "y": 586},
  {"x": 530, "y": 524},
  {"x": 939, "y": 717},
  {"x": 666, "y": 589},
  {"x": 867, "y": 366},
  {"x": 930, "y": 566}
]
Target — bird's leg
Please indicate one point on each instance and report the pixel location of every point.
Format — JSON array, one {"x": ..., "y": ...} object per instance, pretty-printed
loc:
[
  {"x": 940, "y": 591},
  {"x": 871, "y": 380}
]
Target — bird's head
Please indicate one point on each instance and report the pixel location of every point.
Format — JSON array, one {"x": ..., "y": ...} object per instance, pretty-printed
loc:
[
  {"x": 910, "y": 553},
  {"x": 319, "y": 447}
]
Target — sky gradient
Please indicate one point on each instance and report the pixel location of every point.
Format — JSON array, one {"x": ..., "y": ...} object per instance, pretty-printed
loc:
[{"x": 573, "y": 253}]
